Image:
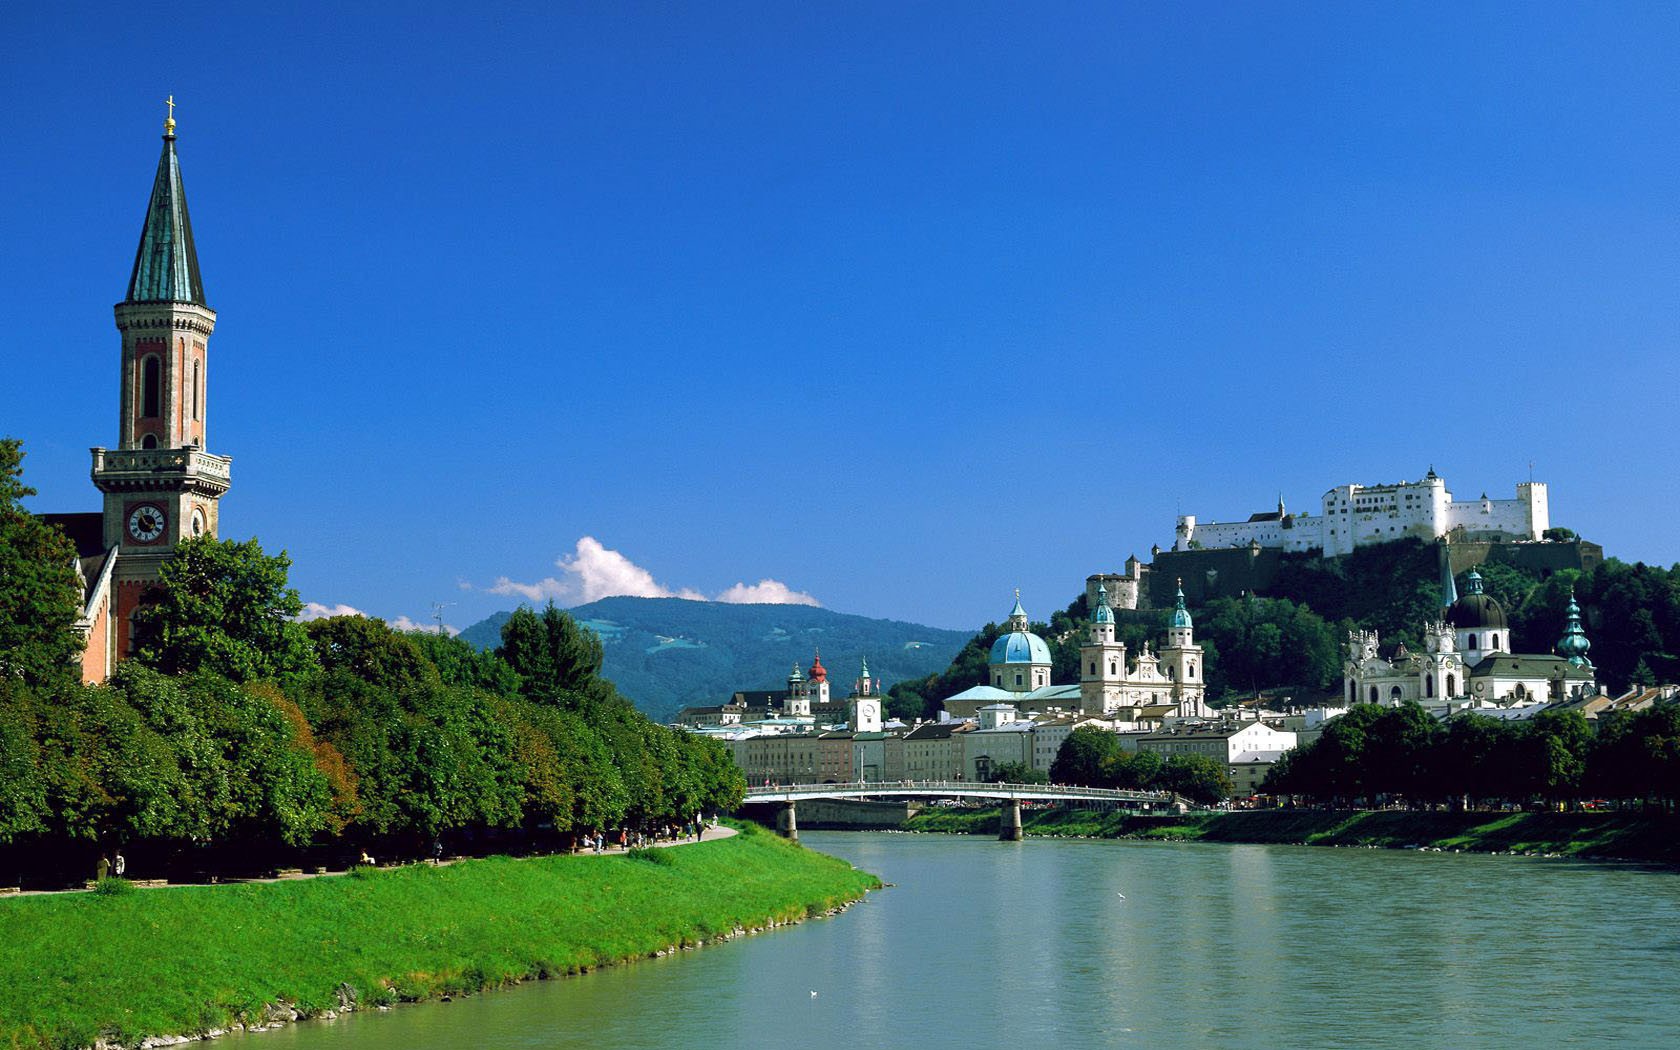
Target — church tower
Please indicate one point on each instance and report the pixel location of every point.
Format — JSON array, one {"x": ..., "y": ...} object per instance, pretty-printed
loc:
[
  {"x": 1181, "y": 660},
  {"x": 1102, "y": 662},
  {"x": 160, "y": 486},
  {"x": 863, "y": 707}
]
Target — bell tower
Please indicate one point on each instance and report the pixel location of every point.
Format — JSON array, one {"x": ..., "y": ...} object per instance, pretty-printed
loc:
[{"x": 160, "y": 485}]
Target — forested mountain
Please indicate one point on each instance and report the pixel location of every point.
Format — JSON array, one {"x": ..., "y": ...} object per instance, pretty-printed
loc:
[{"x": 670, "y": 653}]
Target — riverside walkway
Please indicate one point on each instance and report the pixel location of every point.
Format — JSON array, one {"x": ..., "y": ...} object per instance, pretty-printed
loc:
[{"x": 1012, "y": 795}]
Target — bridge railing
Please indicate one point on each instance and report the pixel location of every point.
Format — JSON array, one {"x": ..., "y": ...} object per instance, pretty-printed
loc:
[{"x": 970, "y": 788}]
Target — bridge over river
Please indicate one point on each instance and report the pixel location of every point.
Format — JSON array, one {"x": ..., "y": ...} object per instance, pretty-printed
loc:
[{"x": 1011, "y": 795}]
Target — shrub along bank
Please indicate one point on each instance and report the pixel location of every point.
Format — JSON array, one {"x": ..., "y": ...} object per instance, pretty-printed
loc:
[
  {"x": 1644, "y": 836},
  {"x": 127, "y": 965}
]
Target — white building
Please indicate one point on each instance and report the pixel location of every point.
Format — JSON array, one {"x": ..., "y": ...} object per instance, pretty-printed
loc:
[
  {"x": 1356, "y": 515},
  {"x": 1468, "y": 661}
]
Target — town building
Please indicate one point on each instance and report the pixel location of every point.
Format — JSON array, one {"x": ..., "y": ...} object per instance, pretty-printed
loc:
[
  {"x": 1353, "y": 516},
  {"x": 1247, "y": 749},
  {"x": 160, "y": 485}
]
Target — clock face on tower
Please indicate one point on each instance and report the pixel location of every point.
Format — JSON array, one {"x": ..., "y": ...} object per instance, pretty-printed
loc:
[{"x": 145, "y": 523}]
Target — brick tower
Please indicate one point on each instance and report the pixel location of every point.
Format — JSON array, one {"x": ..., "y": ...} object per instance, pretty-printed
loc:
[{"x": 160, "y": 485}]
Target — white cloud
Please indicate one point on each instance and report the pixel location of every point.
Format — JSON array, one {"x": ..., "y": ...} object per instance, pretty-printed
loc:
[
  {"x": 317, "y": 611},
  {"x": 540, "y": 591},
  {"x": 403, "y": 623},
  {"x": 594, "y": 571},
  {"x": 766, "y": 592}
]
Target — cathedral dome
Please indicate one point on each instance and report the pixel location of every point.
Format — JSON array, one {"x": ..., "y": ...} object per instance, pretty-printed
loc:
[
  {"x": 1476, "y": 611},
  {"x": 1020, "y": 647}
]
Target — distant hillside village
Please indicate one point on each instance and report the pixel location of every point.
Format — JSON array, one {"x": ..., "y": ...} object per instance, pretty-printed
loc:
[{"x": 1156, "y": 699}]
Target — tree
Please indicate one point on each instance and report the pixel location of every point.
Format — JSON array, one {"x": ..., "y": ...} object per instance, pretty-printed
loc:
[
  {"x": 1200, "y": 778},
  {"x": 224, "y": 607},
  {"x": 40, "y": 596},
  {"x": 1018, "y": 773},
  {"x": 1085, "y": 757},
  {"x": 557, "y": 661}
]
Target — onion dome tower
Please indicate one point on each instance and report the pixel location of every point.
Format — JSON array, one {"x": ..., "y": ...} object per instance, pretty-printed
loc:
[
  {"x": 1478, "y": 622},
  {"x": 1102, "y": 662},
  {"x": 819, "y": 679},
  {"x": 1574, "y": 644},
  {"x": 1020, "y": 660}
]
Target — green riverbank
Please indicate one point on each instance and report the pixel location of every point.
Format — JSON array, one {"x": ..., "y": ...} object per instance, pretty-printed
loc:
[
  {"x": 78, "y": 967},
  {"x": 1653, "y": 838}
]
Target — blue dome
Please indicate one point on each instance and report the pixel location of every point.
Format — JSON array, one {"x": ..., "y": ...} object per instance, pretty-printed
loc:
[{"x": 1020, "y": 647}]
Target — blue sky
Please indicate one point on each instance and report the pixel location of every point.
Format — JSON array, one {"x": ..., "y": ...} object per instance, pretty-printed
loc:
[{"x": 899, "y": 306}]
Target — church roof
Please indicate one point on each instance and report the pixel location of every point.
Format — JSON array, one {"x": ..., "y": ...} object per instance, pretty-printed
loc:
[
  {"x": 1475, "y": 609},
  {"x": 166, "y": 265},
  {"x": 1020, "y": 647}
]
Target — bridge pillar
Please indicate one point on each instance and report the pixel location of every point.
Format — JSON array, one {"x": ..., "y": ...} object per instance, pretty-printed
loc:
[
  {"x": 1009, "y": 822},
  {"x": 787, "y": 821}
]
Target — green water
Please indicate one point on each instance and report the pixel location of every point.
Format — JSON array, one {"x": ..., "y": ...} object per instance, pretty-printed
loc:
[{"x": 981, "y": 944}]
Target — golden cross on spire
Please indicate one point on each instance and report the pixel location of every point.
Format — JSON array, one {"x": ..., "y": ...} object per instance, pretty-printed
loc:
[{"x": 169, "y": 123}]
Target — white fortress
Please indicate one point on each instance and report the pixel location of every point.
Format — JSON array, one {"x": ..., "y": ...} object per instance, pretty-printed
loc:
[{"x": 1357, "y": 515}]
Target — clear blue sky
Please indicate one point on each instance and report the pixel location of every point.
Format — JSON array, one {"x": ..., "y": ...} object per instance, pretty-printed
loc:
[{"x": 903, "y": 306}]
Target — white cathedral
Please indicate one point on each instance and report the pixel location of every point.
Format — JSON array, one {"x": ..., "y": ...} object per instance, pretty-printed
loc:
[
  {"x": 1467, "y": 660},
  {"x": 1152, "y": 686}
]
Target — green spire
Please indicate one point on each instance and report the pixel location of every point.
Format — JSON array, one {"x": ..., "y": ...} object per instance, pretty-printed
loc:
[
  {"x": 1449, "y": 586},
  {"x": 865, "y": 674},
  {"x": 1181, "y": 615},
  {"x": 1103, "y": 614},
  {"x": 166, "y": 266},
  {"x": 1574, "y": 644}
]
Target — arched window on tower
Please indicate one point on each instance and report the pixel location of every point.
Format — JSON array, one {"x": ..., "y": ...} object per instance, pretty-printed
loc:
[
  {"x": 149, "y": 441},
  {"x": 1471, "y": 642},
  {"x": 1394, "y": 695},
  {"x": 1428, "y": 685},
  {"x": 1374, "y": 694},
  {"x": 1093, "y": 668},
  {"x": 1452, "y": 685},
  {"x": 151, "y": 387},
  {"x": 198, "y": 407}
]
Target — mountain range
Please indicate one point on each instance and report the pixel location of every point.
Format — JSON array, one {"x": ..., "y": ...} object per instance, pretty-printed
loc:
[{"x": 669, "y": 653}]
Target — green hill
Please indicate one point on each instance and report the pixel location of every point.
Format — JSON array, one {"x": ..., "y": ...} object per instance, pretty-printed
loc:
[{"x": 670, "y": 653}]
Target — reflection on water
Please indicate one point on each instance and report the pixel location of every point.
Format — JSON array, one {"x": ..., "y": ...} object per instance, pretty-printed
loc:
[{"x": 983, "y": 944}]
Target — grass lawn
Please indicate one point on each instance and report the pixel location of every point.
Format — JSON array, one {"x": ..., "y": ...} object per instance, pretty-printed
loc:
[{"x": 74, "y": 967}]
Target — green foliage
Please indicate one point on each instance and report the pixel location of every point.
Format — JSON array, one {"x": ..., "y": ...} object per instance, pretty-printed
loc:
[
  {"x": 110, "y": 886},
  {"x": 1018, "y": 773},
  {"x": 1264, "y": 642},
  {"x": 224, "y": 607},
  {"x": 1084, "y": 757},
  {"x": 1392, "y": 588},
  {"x": 661, "y": 857},
  {"x": 40, "y": 597}
]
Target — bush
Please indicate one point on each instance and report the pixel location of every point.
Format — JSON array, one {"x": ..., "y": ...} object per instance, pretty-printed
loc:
[
  {"x": 110, "y": 886},
  {"x": 662, "y": 857}
]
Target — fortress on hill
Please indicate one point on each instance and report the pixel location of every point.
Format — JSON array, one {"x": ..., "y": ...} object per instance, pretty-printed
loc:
[
  {"x": 1228, "y": 558},
  {"x": 1356, "y": 515}
]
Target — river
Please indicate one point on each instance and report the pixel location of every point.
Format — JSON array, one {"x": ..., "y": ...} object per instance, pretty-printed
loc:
[{"x": 980, "y": 944}]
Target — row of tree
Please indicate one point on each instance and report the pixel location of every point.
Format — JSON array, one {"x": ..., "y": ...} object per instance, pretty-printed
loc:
[
  {"x": 238, "y": 735},
  {"x": 1375, "y": 753},
  {"x": 1095, "y": 758}
]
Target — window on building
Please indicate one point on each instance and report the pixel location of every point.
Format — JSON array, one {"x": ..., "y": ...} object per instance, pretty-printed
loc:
[
  {"x": 1452, "y": 685},
  {"x": 151, "y": 387},
  {"x": 1373, "y": 694},
  {"x": 198, "y": 408},
  {"x": 1428, "y": 685},
  {"x": 149, "y": 441},
  {"x": 1470, "y": 642}
]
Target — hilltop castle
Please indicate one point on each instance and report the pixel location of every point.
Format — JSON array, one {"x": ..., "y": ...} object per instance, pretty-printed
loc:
[{"x": 1357, "y": 515}]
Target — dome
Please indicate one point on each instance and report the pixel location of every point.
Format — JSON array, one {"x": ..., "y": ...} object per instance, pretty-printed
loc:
[
  {"x": 1181, "y": 615},
  {"x": 1020, "y": 647},
  {"x": 1476, "y": 611}
]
